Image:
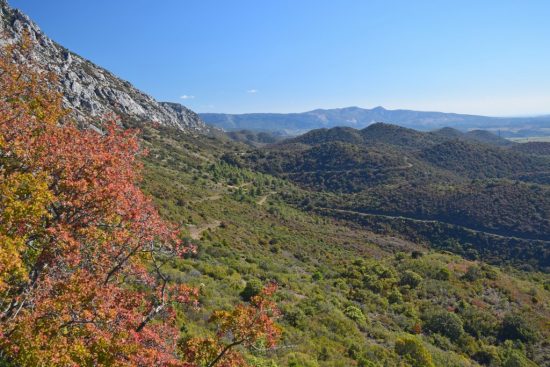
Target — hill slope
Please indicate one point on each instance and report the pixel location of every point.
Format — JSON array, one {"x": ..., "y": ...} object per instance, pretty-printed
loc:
[
  {"x": 386, "y": 171},
  {"x": 90, "y": 91},
  {"x": 346, "y": 293}
]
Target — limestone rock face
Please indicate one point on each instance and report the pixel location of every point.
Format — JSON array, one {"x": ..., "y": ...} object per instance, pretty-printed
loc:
[{"x": 89, "y": 90}]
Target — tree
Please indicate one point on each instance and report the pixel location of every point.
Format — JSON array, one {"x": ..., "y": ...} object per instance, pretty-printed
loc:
[
  {"x": 246, "y": 325},
  {"x": 82, "y": 246},
  {"x": 355, "y": 314}
]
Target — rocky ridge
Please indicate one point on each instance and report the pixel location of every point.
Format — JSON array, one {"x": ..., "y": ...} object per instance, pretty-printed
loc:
[{"x": 89, "y": 90}]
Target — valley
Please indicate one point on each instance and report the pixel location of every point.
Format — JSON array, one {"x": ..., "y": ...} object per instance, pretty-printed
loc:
[
  {"x": 133, "y": 233},
  {"x": 262, "y": 218}
]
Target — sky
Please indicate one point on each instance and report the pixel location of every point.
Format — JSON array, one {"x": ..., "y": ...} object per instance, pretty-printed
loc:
[{"x": 480, "y": 57}]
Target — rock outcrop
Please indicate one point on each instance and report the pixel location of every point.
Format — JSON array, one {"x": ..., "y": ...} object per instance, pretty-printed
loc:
[{"x": 89, "y": 90}]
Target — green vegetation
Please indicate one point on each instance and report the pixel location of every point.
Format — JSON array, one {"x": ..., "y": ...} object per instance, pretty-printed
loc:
[
  {"x": 483, "y": 200},
  {"x": 413, "y": 352},
  {"x": 348, "y": 296}
]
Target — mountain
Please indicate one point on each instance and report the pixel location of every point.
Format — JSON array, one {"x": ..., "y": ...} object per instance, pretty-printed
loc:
[
  {"x": 346, "y": 293},
  {"x": 297, "y": 123},
  {"x": 406, "y": 138},
  {"x": 89, "y": 90},
  {"x": 440, "y": 186}
]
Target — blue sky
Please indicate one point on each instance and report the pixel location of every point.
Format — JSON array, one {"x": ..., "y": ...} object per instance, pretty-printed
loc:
[{"x": 482, "y": 57}]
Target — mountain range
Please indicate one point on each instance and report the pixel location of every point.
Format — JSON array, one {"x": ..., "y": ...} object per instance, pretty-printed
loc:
[
  {"x": 93, "y": 92},
  {"x": 298, "y": 123}
]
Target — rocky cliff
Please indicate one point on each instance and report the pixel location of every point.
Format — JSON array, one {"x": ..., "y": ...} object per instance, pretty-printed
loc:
[{"x": 89, "y": 90}]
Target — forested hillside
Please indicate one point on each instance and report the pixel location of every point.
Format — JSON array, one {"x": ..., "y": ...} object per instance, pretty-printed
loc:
[
  {"x": 348, "y": 296},
  {"x": 474, "y": 189},
  {"x": 132, "y": 243}
]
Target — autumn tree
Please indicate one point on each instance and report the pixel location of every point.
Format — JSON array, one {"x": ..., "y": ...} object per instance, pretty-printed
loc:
[
  {"x": 82, "y": 247},
  {"x": 249, "y": 325}
]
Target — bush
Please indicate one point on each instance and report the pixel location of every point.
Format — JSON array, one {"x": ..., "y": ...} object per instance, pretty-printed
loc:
[
  {"x": 473, "y": 273},
  {"x": 410, "y": 278},
  {"x": 296, "y": 317},
  {"x": 445, "y": 323},
  {"x": 355, "y": 314},
  {"x": 515, "y": 327},
  {"x": 414, "y": 353},
  {"x": 488, "y": 356},
  {"x": 515, "y": 358},
  {"x": 395, "y": 297},
  {"x": 442, "y": 274},
  {"x": 252, "y": 288},
  {"x": 317, "y": 276},
  {"x": 301, "y": 360},
  {"x": 477, "y": 323}
]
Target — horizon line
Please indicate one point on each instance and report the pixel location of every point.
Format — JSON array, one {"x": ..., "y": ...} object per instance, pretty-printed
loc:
[{"x": 378, "y": 107}]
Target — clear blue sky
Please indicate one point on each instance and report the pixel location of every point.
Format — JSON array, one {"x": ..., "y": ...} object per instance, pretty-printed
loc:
[{"x": 482, "y": 56}]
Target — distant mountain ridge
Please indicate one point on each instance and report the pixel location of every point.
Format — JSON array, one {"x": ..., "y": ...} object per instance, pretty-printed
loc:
[
  {"x": 89, "y": 90},
  {"x": 356, "y": 117},
  {"x": 405, "y": 137}
]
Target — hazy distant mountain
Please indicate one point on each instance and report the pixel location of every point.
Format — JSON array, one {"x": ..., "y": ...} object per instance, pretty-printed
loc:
[
  {"x": 296, "y": 123},
  {"x": 89, "y": 90}
]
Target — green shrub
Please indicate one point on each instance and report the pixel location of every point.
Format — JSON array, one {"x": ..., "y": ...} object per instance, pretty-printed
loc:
[
  {"x": 253, "y": 288},
  {"x": 478, "y": 323},
  {"x": 515, "y": 327},
  {"x": 399, "y": 256},
  {"x": 473, "y": 273},
  {"x": 355, "y": 314},
  {"x": 442, "y": 274},
  {"x": 487, "y": 356},
  {"x": 395, "y": 297},
  {"x": 414, "y": 353},
  {"x": 515, "y": 358},
  {"x": 411, "y": 279},
  {"x": 445, "y": 323},
  {"x": 296, "y": 317},
  {"x": 301, "y": 360},
  {"x": 317, "y": 276}
]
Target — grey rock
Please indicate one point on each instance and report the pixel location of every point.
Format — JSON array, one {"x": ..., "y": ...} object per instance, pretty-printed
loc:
[{"x": 89, "y": 90}]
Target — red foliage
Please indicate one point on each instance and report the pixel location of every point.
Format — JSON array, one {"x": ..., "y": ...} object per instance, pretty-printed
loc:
[
  {"x": 246, "y": 325},
  {"x": 89, "y": 286}
]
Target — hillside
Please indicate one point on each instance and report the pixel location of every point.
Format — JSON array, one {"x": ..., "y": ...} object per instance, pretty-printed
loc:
[
  {"x": 90, "y": 91},
  {"x": 157, "y": 241},
  {"x": 388, "y": 171},
  {"x": 345, "y": 295},
  {"x": 254, "y": 138},
  {"x": 539, "y": 148}
]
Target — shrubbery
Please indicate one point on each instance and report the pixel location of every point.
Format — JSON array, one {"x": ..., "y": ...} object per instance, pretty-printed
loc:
[
  {"x": 445, "y": 323},
  {"x": 515, "y": 327},
  {"x": 413, "y": 352}
]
